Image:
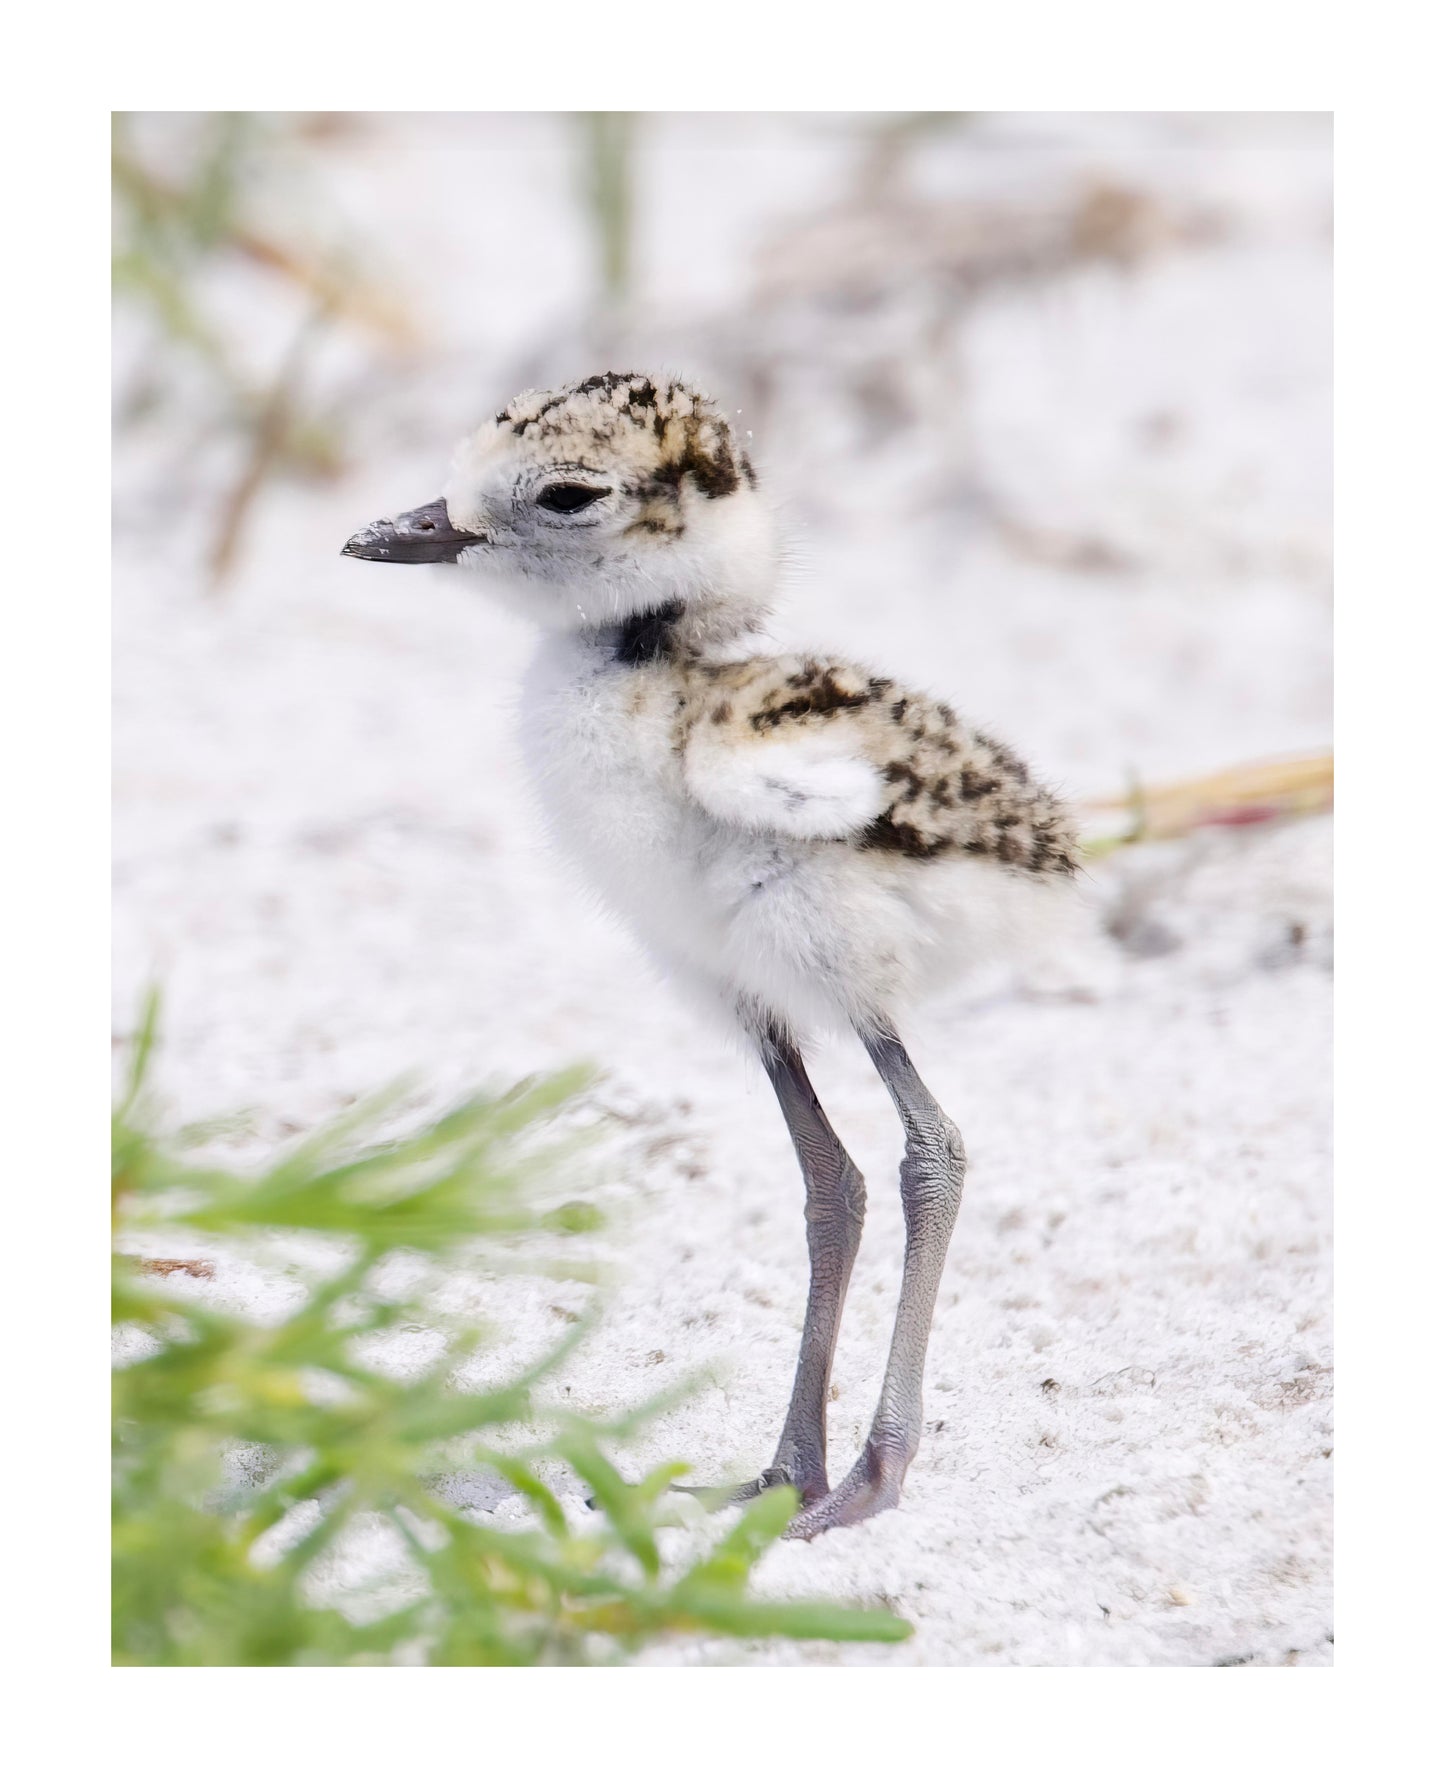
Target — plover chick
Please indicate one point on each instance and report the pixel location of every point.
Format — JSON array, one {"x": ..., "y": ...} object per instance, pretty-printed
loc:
[{"x": 804, "y": 842}]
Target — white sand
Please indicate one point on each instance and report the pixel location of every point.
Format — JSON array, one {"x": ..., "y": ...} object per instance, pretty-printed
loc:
[{"x": 324, "y": 854}]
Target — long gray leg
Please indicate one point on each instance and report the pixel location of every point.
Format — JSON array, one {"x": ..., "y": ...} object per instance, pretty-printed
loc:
[
  {"x": 833, "y": 1206},
  {"x": 931, "y": 1180}
]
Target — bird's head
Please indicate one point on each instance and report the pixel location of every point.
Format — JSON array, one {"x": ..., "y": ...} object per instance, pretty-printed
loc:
[{"x": 608, "y": 499}]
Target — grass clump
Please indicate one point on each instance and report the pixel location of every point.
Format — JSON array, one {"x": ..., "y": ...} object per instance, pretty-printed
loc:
[{"x": 251, "y": 1453}]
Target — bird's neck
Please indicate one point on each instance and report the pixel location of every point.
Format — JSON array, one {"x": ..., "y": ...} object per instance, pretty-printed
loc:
[
  {"x": 675, "y": 629},
  {"x": 646, "y": 636}
]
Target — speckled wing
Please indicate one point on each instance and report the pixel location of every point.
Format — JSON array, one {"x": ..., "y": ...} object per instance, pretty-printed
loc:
[{"x": 819, "y": 749}]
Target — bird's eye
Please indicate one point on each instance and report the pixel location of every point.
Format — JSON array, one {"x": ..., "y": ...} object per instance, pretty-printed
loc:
[{"x": 569, "y": 496}]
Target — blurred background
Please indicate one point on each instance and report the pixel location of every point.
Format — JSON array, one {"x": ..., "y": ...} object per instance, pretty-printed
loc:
[{"x": 1045, "y": 404}]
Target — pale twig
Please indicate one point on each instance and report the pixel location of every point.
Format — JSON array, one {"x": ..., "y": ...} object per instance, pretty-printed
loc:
[
  {"x": 1244, "y": 795},
  {"x": 268, "y": 441},
  {"x": 329, "y": 287}
]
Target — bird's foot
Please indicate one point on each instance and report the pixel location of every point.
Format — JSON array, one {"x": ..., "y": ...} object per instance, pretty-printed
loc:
[
  {"x": 873, "y": 1485},
  {"x": 809, "y": 1480}
]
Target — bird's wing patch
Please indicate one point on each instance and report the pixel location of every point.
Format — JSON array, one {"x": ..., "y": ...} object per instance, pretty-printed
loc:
[{"x": 807, "y": 785}]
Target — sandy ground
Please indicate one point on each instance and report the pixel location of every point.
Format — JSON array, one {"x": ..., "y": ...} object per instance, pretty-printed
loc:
[{"x": 324, "y": 853}]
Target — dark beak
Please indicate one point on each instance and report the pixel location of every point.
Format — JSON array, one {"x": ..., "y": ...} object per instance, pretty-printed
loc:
[{"x": 424, "y": 535}]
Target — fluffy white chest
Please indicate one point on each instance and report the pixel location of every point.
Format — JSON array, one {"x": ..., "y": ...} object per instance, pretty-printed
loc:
[
  {"x": 813, "y": 932},
  {"x": 599, "y": 742}
]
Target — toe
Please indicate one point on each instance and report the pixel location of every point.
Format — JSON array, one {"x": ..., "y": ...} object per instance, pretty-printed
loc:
[
  {"x": 729, "y": 1494},
  {"x": 862, "y": 1493}
]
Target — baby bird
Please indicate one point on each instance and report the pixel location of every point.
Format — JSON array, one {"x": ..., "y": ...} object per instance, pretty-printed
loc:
[{"x": 803, "y": 842}]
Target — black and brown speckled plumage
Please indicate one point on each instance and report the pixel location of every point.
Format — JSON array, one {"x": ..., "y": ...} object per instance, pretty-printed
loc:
[
  {"x": 677, "y": 436},
  {"x": 955, "y": 791}
]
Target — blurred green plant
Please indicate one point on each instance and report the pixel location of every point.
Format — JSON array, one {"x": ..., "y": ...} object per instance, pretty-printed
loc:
[
  {"x": 607, "y": 158},
  {"x": 246, "y": 1450},
  {"x": 174, "y": 226},
  {"x": 163, "y": 232}
]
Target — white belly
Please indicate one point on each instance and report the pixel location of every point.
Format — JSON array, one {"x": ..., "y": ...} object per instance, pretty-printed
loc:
[
  {"x": 732, "y": 914},
  {"x": 815, "y": 932}
]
